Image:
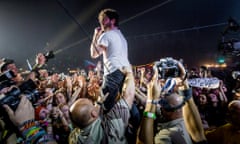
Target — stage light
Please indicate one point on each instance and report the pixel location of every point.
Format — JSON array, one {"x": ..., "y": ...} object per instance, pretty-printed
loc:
[{"x": 221, "y": 60}]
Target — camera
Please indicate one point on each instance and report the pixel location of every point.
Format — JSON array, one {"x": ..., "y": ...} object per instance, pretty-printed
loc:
[
  {"x": 167, "y": 67},
  {"x": 49, "y": 55},
  {"x": 7, "y": 75},
  {"x": 5, "y": 79},
  {"x": 12, "y": 99}
]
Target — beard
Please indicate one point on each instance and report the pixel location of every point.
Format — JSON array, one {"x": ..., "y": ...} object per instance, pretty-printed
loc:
[{"x": 106, "y": 26}]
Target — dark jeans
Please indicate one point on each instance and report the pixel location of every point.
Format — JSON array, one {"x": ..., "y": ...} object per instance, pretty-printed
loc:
[{"x": 112, "y": 84}]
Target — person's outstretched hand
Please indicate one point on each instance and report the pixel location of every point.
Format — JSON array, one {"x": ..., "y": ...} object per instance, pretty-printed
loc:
[
  {"x": 154, "y": 86},
  {"x": 24, "y": 112},
  {"x": 183, "y": 77}
]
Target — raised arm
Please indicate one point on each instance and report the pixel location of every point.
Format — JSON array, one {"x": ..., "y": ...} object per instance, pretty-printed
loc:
[
  {"x": 140, "y": 96},
  {"x": 129, "y": 89},
  {"x": 95, "y": 48},
  {"x": 190, "y": 112},
  {"x": 145, "y": 132},
  {"x": 23, "y": 118}
]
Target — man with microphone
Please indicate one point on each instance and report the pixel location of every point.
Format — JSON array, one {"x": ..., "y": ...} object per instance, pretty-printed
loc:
[{"x": 109, "y": 42}]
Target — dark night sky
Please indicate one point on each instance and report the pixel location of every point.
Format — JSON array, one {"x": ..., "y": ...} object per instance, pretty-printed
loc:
[{"x": 188, "y": 29}]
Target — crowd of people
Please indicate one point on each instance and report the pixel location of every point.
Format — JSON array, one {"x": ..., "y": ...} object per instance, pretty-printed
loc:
[{"x": 116, "y": 102}]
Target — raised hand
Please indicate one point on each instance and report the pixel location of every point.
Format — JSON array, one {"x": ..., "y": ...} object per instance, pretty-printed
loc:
[{"x": 23, "y": 113}]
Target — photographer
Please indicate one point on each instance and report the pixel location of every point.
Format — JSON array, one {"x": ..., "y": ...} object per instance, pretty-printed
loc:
[
  {"x": 180, "y": 119},
  {"x": 42, "y": 59},
  {"x": 11, "y": 87},
  {"x": 9, "y": 65},
  {"x": 39, "y": 70},
  {"x": 23, "y": 118}
]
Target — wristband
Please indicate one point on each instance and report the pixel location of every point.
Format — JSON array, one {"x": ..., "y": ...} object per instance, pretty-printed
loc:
[
  {"x": 187, "y": 93},
  {"x": 149, "y": 115},
  {"x": 33, "y": 134},
  {"x": 27, "y": 124}
]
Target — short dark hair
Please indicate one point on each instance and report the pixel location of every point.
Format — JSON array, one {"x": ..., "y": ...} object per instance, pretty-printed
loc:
[
  {"x": 203, "y": 67},
  {"x": 111, "y": 13}
]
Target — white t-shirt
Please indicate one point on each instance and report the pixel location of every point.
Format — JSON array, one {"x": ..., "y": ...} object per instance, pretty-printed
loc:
[{"x": 116, "y": 55}]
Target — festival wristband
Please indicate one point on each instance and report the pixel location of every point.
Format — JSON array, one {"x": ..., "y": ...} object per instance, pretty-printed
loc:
[
  {"x": 27, "y": 124},
  {"x": 187, "y": 93},
  {"x": 149, "y": 115}
]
